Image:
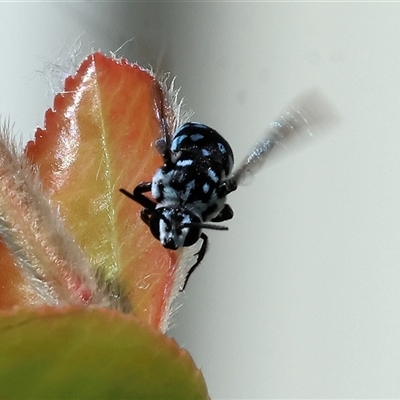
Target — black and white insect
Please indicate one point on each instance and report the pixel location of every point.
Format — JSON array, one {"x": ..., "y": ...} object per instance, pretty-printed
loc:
[{"x": 189, "y": 191}]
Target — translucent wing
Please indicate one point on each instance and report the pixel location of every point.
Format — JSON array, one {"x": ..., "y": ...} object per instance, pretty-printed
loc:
[
  {"x": 163, "y": 114},
  {"x": 303, "y": 115},
  {"x": 169, "y": 112}
]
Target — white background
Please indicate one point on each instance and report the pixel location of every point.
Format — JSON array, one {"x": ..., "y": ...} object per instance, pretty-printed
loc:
[{"x": 301, "y": 297}]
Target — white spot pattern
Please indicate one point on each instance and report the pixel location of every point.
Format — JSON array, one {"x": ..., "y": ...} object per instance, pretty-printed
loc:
[
  {"x": 221, "y": 148},
  {"x": 177, "y": 141},
  {"x": 184, "y": 163},
  {"x": 213, "y": 176},
  {"x": 196, "y": 137}
]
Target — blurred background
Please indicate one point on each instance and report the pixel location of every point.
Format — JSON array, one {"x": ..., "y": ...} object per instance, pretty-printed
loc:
[{"x": 301, "y": 297}]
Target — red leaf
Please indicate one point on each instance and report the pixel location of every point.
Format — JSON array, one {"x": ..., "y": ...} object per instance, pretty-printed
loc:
[{"x": 99, "y": 138}]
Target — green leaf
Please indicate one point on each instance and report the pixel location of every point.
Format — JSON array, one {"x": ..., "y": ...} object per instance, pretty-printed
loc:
[{"x": 78, "y": 353}]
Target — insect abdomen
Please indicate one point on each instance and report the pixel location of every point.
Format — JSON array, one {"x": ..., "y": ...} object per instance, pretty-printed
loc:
[{"x": 193, "y": 140}]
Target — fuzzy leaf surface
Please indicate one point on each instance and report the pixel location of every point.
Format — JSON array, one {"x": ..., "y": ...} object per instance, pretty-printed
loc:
[{"x": 99, "y": 137}]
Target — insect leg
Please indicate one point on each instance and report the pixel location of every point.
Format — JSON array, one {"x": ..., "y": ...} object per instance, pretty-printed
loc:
[
  {"x": 225, "y": 214},
  {"x": 226, "y": 187},
  {"x": 200, "y": 255},
  {"x": 139, "y": 197}
]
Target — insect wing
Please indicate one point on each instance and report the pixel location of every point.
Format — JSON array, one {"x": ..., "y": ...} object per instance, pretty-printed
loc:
[
  {"x": 164, "y": 115},
  {"x": 304, "y": 114},
  {"x": 170, "y": 113}
]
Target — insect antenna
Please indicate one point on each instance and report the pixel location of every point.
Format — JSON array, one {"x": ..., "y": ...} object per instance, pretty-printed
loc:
[{"x": 204, "y": 225}]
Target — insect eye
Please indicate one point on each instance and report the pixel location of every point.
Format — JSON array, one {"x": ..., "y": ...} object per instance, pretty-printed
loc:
[
  {"x": 192, "y": 236},
  {"x": 155, "y": 226}
]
